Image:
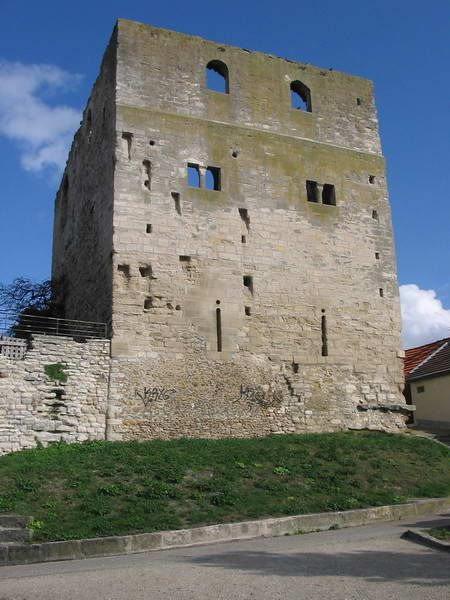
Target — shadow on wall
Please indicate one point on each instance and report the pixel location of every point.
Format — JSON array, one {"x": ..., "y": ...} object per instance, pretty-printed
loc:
[{"x": 421, "y": 569}]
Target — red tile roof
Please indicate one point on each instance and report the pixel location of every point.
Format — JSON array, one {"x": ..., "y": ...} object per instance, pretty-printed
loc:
[{"x": 416, "y": 356}]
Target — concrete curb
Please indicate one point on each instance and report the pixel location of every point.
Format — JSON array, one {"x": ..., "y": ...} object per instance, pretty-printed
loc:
[
  {"x": 17, "y": 554},
  {"x": 421, "y": 537}
]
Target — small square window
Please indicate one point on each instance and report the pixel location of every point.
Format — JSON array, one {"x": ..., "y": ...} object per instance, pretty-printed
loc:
[{"x": 420, "y": 389}]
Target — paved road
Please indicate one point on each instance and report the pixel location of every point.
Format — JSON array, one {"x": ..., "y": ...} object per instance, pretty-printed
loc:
[{"x": 363, "y": 563}]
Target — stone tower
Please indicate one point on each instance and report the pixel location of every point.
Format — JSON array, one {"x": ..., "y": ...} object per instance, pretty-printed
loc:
[{"x": 237, "y": 239}]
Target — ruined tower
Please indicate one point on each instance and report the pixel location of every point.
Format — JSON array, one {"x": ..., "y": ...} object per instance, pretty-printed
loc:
[{"x": 237, "y": 240}]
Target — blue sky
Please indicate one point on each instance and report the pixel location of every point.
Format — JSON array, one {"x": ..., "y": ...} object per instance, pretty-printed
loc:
[{"x": 50, "y": 53}]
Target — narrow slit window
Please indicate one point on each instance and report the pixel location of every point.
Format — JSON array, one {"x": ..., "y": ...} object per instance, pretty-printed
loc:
[
  {"x": 147, "y": 167},
  {"x": 328, "y": 195},
  {"x": 300, "y": 97},
  {"x": 176, "y": 202},
  {"x": 375, "y": 215},
  {"x": 381, "y": 292},
  {"x": 193, "y": 175},
  {"x": 219, "y": 329},
  {"x": 212, "y": 179},
  {"x": 243, "y": 239},
  {"x": 217, "y": 77},
  {"x": 312, "y": 191},
  {"x": 324, "y": 334},
  {"x": 248, "y": 283}
]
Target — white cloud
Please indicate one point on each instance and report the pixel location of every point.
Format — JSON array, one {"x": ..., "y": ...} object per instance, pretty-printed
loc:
[
  {"x": 424, "y": 318},
  {"x": 42, "y": 130}
]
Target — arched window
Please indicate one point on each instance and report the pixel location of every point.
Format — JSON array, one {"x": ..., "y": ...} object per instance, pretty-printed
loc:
[
  {"x": 300, "y": 96},
  {"x": 217, "y": 77}
]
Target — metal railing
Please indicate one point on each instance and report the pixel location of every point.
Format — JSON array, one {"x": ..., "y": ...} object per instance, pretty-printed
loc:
[{"x": 22, "y": 325}]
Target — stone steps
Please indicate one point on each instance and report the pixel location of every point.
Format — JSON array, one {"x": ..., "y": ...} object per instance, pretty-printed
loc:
[
  {"x": 14, "y": 534},
  {"x": 13, "y": 529},
  {"x": 14, "y": 521}
]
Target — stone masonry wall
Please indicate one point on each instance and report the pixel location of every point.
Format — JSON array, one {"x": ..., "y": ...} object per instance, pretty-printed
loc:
[
  {"x": 82, "y": 238},
  {"x": 36, "y": 408},
  {"x": 306, "y": 259}
]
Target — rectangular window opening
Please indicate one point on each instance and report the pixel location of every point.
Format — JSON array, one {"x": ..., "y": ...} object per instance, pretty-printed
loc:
[
  {"x": 328, "y": 195},
  {"x": 248, "y": 311},
  {"x": 248, "y": 283},
  {"x": 125, "y": 270},
  {"x": 312, "y": 191},
  {"x": 243, "y": 213},
  {"x": 184, "y": 258},
  {"x": 243, "y": 239},
  {"x": 295, "y": 367},
  {"x": 177, "y": 202},
  {"x": 149, "y": 228},
  {"x": 375, "y": 215},
  {"x": 420, "y": 389},
  {"x": 146, "y": 271},
  {"x": 193, "y": 175},
  {"x": 127, "y": 138},
  {"x": 381, "y": 292},
  {"x": 213, "y": 179},
  {"x": 148, "y": 303}
]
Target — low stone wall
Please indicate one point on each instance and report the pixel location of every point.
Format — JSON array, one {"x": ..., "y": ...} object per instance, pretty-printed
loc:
[{"x": 37, "y": 407}]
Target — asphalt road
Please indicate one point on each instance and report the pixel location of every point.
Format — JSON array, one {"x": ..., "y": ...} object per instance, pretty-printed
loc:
[{"x": 361, "y": 563}]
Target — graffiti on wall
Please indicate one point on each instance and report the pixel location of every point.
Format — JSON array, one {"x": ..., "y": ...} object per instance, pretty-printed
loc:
[{"x": 147, "y": 395}]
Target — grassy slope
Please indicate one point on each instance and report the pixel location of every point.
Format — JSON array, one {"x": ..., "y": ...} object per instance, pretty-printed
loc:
[
  {"x": 441, "y": 533},
  {"x": 105, "y": 488}
]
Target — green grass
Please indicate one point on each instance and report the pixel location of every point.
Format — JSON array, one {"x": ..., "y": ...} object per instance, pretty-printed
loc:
[
  {"x": 106, "y": 488},
  {"x": 441, "y": 533}
]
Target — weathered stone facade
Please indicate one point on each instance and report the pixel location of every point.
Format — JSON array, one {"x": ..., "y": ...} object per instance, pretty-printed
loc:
[
  {"x": 249, "y": 308},
  {"x": 35, "y": 407}
]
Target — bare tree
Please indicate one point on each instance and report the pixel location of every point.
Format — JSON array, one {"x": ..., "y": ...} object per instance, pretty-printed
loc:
[{"x": 24, "y": 295}]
